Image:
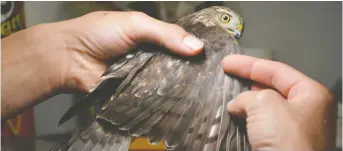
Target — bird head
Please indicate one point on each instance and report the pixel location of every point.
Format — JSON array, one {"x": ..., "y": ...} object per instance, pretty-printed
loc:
[{"x": 223, "y": 17}]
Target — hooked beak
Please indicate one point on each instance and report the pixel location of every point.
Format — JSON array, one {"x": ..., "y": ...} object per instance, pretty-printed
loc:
[{"x": 238, "y": 30}]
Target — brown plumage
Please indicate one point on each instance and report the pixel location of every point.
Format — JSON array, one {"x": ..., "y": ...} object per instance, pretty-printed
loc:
[{"x": 159, "y": 95}]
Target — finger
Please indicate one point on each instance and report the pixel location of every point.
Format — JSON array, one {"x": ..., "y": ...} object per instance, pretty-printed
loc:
[
  {"x": 168, "y": 35},
  {"x": 273, "y": 74},
  {"x": 236, "y": 106},
  {"x": 258, "y": 86},
  {"x": 250, "y": 102}
]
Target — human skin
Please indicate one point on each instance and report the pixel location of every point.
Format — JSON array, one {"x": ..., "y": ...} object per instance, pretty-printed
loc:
[
  {"x": 285, "y": 110},
  {"x": 71, "y": 55},
  {"x": 48, "y": 59}
]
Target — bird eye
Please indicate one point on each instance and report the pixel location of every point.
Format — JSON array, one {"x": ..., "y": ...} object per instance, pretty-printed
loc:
[{"x": 225, "y": 18}]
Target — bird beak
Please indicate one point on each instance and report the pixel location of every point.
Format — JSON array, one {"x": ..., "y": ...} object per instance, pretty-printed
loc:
[
  {"x": 238, "y": 30},
  {"x": 239, "y": 27}
]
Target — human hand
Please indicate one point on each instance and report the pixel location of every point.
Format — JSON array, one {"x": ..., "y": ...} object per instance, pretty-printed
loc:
[
  {"x": 294, "y": 113},
  {"x": 96, "y": 37},
  {"x": 71, "y": 55}
]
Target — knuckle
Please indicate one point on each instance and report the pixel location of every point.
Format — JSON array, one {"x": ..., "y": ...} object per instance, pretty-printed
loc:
[
  {"x": 137, "y": 18},
  {"x": 139, "y": 14},
  {"x": 321, "y": 92},
  {"x": 279, "y": 64},
  {"x": 245, "y": 95},
  {"x": 176, "y": 27},
  {"x": 136, "y": 15},
  {"x": 179, "y": 32},
  {"x": 265, "y": 95},
  {"x": 268, "y": 92}
]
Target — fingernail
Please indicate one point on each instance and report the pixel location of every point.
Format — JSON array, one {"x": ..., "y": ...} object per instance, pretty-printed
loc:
[{"x": 193, "y": 43}]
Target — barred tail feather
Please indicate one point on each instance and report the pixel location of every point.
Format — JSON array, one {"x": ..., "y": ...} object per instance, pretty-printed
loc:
[{"x": 96, "y": 137}]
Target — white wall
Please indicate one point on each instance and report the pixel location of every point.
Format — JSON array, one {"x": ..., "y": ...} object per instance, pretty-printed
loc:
[{"x": 306, "y": 35}]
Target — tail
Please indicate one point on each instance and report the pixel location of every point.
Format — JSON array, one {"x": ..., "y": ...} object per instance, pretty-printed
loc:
[{"x": 96, "y": 136}]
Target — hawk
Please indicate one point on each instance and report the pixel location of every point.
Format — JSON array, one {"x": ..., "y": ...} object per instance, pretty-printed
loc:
[{"x": 165, "y": 97}]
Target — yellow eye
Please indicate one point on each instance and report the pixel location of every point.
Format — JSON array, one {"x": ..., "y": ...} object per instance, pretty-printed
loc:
[{"x": 225, "y": 18}]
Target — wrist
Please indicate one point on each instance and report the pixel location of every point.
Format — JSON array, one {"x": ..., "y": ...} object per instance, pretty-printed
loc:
[
  {"x": 50, "y": 45},
  {"x": 30, "y": 64}
]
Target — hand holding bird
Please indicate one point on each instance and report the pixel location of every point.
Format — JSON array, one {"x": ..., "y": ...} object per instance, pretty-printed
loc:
[{"x": 74, "y": 57}]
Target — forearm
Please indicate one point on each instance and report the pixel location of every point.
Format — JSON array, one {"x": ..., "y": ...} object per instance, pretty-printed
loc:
[{"x": 27, "y": 72}]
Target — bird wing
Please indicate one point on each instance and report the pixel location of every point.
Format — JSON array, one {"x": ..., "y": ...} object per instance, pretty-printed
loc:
[
  {"x": 179, "y": 99},
  {"x": 96, "y": 136},
  {"x": 112, "y": 78},
  {"x": 104, "y": 136},
  {"x": 214, "y": 125},
  {"x": 182, "y": 100}
]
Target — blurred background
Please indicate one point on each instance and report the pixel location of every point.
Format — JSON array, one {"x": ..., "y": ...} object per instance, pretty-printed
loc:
[{"x": 305, "y": 35}]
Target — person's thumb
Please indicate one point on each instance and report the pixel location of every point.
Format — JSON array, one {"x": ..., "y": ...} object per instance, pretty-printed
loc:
[
  {"x": 251, "y": 102},
  {"x": 145, "y": 28}
]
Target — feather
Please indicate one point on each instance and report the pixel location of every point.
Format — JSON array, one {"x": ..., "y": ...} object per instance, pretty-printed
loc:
[
  {"x": 108, "y": 83},
  {"x": 96, "y": 136},
  {"x": 175, "y": 136},
  {"x": 163, "y": 127},
  {"x": 156, "y": 117},
  {"x": 164, "y": 96}
]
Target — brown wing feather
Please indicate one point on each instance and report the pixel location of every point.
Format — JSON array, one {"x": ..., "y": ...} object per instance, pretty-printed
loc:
[
  {"x": 179, "y": 99},
  {"x": 166, "y": 97}
]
